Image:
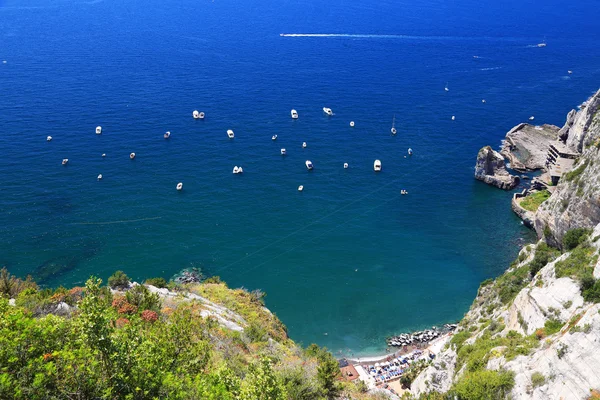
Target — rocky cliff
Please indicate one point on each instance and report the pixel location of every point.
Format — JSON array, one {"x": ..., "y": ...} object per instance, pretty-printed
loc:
[
  {"x": 575, "y": 203},
  {"x": 534, "y": 332},
  {"x": 490, "y": 169},
  {"x": 526, "y": 146}
]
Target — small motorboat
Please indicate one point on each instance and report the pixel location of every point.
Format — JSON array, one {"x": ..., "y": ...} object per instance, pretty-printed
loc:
[
  {"x": 345, "y": 165},
  {"x": 303, "y": 145},
  {"x": 352, "y": 124},
  {"x": 274, "y": 137},
  {"x": 237, "y": 170},
  {"x": 167, "y": 135},
  {"x": 410, "y": 152},
  {"x": 100, "y": 177},
  {"x": 283, "y": 152},
  {"x": 542, "y": 44},
  {"x": 446, "y": 87},
  {"x": 393, "y": 130},
  {"x": 453, "y": 118},
  {"x": 98, "y": 130},
  {"x": 49, "y": 139},
  {"x": 531, "y": 118},
  {"x": 294, "y": 114},
  {"x": 569, "y": 72},
  {"x": 403, "y": 192},
  {"x": 201, "y": 115},
  {"x": 65, "y": 161},
  {"x": 309, "y": 165},
  {"x": 195, "y": 114},
  {"x": 132, "y": 156},
  {"x": 377, "y": 165},
  {"x": 483, "y": 101},
  {"x": 327, "y": 111},
  {"x": 103, "y": 154},
  {"x": 230, "y": 134},
  {"x": 300, "y": 188},
  {"x": 179, "y": 186}
]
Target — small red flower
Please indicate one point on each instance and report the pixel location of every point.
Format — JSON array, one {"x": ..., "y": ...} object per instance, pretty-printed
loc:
[{"x": 121, "y": 322}]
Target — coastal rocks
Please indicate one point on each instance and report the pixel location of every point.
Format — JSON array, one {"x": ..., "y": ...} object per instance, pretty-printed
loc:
[
  {"x": 564, "y": 131},
  {"x": 189, "y": 275},
  {"x": 526, "y": 146},
  {"x": 491, "y": 170},
  {"x": 426, "y": 336},
  {"x": 578, "y": 134}
]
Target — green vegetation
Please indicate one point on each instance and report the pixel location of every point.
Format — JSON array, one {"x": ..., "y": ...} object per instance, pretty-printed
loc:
[
  {"x": 118, "y": 280},
  {"x": 484, "y": 384},
  {"x": 575, "y": 174},
  {"x": 592, "y": 293},
  {"x": 130, "y": 346},
  {"x": 157, "y": 282},
  {"x": 551, "y": 326},
  {"x": 537, "y": 379},
  {"x": 575, "y": 237},
  {"x": 412, "y": 372},
  {"x": 533, "y": 201},
  {"x": 475, "y": 356},
  {"x": 543, "y": 255}
]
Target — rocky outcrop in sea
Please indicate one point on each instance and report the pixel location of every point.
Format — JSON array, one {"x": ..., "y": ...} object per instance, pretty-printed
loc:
[{"x": 490, "y": 169}]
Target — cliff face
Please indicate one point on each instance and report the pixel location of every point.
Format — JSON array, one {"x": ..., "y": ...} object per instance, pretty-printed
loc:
[
  {"x": 575, "y": 203},
  {"x": 491, "y": 170},
  {"x": 539, "y": 323}
]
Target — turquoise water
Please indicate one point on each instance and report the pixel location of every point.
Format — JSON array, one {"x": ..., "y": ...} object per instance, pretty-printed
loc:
[{"x": 347, "y": 261}]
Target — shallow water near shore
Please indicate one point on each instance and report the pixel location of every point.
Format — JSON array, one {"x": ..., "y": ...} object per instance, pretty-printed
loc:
[{"x": 344, "y": 263}]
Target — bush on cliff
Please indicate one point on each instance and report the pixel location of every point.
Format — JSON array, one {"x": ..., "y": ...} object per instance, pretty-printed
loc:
[
  {"x": 118, "y": 280},
  {"x": 484, "y": 384},
  {"x": 575, "y": 237}
]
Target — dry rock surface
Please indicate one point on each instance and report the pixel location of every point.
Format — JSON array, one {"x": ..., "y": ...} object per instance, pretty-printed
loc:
[
  {"x": 490, "y": 169},
  {"x": 526, "y": 146}
]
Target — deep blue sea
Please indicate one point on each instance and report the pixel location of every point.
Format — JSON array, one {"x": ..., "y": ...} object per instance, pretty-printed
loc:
[{"x": 347, "y": 261}]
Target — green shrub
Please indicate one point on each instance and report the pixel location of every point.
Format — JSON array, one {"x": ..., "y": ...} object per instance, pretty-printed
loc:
[
  {"x": 592, "y": 293},
  {"x": 118, "y": 280},
  {"x": 552, "y": 326},
  {"x": 533, "y": 201},
  {"x": 143, "y": 299},
  {"x": 537, "y": 379},
  {"x": 11, "y": 286},
  {"x": 484, "y": 384},
  {"x": 575, "y": 174},
  {"x": 543, "y": 255},
  {"x": 157, "y": 282},
  {"x": 575, "y": 237},
  {"x": 459, "y": 338}
]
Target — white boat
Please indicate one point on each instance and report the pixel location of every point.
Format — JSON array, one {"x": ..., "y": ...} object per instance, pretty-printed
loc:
[
  {"x": 167, "y": 135},
  {"x": 230, "y": 134},
  {"x": 100, "y": 177},
  {"x": 179, "y": 186},
  {"x": 65, "y": 161},
  {"x": 103, "y": 154},
  {"x": 446, "y": 87},
  {"x": 393, "y": 130},
  {"x": 410, "y": 152},
  {"x": 377, "y": 165},
  {"x": 237, "y": 170},
  {"x": 453, "y": 118},
  {"x": 309, "y": 165},
  {"x": 303, "y": 145},
  {"x": 300, "y": 188},
  {"x": 327, "y": 111},
  {"x": 98, "y": 130},
  {"x": 201, "y": 115},
  {"x": 195, "y": 114},
  {"x": 283, "y": 152},
  {"x": 403, "y": 192},
  {"x": 345, "y": 165},
  {"x": 132, "y": 156},
  {"x": 569, "y": 72},
  {"x": 49, "y": 138},
  {"x": 274, "y": 137},
  {"x": 352, "y": 124},
  {"x": 543, "y": 44},
  {"x": 294, "y": 114},
  {"x": 531, "y": 118},
  {"x": 483, "y": 101}
]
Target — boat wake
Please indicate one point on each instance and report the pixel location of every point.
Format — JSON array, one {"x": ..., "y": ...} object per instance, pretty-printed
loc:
[
  {"x": 377, "y": 36},
  {"x": 490, "y": 69}
]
